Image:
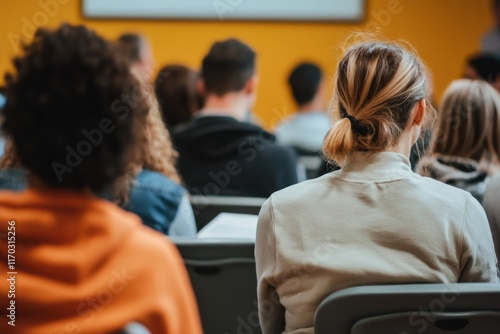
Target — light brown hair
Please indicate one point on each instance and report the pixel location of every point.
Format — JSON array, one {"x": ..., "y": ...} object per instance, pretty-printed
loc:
[
  {"x": 376, "y": 87},
  {"x": 468, "y": 124}
]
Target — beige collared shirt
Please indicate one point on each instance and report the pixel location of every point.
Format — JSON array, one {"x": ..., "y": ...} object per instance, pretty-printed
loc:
[{"x": 373, "y": 222}]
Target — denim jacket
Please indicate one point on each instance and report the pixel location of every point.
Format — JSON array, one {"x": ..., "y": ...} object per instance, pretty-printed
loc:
[
  {"x": 13, "y": 179},
  {"x": 162, "y": 204}
]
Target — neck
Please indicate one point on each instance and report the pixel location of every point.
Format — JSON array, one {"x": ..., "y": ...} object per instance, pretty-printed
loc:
[
  {"x": 315, "y": 105},
  {"x": 232, "y": 104},
  {"x": 404, "y": 145}
]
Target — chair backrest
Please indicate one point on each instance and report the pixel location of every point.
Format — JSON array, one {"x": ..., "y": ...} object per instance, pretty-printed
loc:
[
  {"x": 467, "y": 308},
  {"x": 224, "y": 280},
  {"x": 312, "y": 164},
  {"x": 207, "y": 208}
]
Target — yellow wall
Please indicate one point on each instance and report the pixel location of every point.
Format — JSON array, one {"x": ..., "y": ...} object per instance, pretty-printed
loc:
[{"x": 443, "y": 31}]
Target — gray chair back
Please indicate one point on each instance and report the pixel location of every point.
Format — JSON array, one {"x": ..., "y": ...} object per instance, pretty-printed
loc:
[
  {"x": 467, "y": 308},
  {"x": 222, "y": 272},
  {"x": 133, "y": 328}
]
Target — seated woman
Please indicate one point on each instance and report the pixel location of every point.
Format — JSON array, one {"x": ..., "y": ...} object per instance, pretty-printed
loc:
[
  {"x": 466, "y": 151},
  {"x": 373, "y": 221},
  {"x": 176, "y": 88},
  {"x": 155, "y": 194},
  {"x": 492, "y": 209},
  {"x": 82, "y": 264}
]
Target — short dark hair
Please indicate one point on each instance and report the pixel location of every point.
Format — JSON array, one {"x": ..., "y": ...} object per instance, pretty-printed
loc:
[
  {"x": 487, "y": 66},
  {"x": 132, "y": 45},
  {"x": 228, "y": 66},
  {"x": 304, "y": 82},
  {"x": 177, "y": 93},
  {"x": 66, "y": 113}
]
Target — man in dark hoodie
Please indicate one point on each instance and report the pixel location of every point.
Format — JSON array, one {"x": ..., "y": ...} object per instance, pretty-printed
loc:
[{"x": 219, "y": 153}]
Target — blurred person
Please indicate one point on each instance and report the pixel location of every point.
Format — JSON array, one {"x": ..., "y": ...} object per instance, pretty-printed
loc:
[
  {"x": 156, "y": 195},
  {"x": 374, "y": 221},
  {"x": 492, "y": 208},
  {"x": 306, "y": 129},
  {"x": 484, "y": 67},
  {"x": 177, "y": 92},
  {"x": 151, "y": 187},
  {"x": 137, "y": 49},
  {"x": 81, "y": 261},
  {"x": 466, "y": 145},
  {"x": 491, "y": 40},
  {"x": 220, "y": 153}
]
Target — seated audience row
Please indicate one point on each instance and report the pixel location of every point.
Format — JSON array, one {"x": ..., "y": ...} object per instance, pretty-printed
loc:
[{"x": 93, "y": 136}]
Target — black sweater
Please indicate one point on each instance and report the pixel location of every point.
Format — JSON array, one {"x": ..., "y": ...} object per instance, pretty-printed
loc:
[{"x": 219, "y": 155}]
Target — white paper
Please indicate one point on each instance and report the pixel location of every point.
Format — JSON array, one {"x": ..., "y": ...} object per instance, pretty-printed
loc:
[{"x": 231, "y": 225}]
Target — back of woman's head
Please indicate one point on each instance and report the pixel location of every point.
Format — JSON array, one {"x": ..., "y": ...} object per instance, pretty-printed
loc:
[
  {"x": 469, "y": 123},
  {"x": 376, "y": 88},
  {"x": 72, "y": 109},
  {"x": 177, "y": 93},
  {"x": 158, "y": 153}
]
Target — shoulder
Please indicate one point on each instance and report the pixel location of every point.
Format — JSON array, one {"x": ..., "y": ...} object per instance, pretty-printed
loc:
[
  {"x": 13, "y": 179},
  {"x": 159, "y": 257},
  {"x": 436, "y": 196},
  {"x": 302, "y": 192},
  {"x": 154, "y": 182},
  {"x": 492, "y": 195}
]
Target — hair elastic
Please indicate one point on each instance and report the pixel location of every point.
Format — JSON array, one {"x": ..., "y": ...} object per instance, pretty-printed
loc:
[{"x": 355, "y": 126}]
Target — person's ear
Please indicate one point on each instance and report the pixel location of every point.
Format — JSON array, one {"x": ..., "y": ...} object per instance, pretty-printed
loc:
[
  {"x": 419, "y": 112},
  {"x": 200, "y": 85},
  {"x": 251, "y": 85}
]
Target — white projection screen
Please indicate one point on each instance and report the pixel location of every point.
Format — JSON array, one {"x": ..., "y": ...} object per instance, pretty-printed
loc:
[{"x": 269, "y": 10}]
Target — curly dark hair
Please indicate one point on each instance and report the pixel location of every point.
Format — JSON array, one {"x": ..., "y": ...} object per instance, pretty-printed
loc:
[{"x": 73, "y": 109}]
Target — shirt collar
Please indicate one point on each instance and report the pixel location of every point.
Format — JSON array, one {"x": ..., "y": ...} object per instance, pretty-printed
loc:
[{"x": 382, "y": 166}]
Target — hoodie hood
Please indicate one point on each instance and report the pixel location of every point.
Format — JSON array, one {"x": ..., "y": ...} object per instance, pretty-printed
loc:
[
  {"x": 215, "y": 137},
  {"x": 459, "y": 172}
]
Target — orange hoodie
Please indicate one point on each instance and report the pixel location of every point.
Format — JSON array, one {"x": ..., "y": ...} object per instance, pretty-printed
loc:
[{"x": 83, "y": 265}]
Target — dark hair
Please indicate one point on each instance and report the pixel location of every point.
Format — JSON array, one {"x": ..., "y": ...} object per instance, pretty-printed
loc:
[
  {"x": 66, "y": 113},
  {"x": 131, "y": 44},
  {"x": 487, "y": 66},
  {"x": 178, "y": 94},
  {"x": 304, "y": 82},
  {"x": 227, "y": 67}
]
